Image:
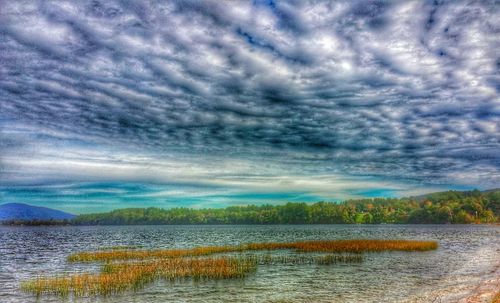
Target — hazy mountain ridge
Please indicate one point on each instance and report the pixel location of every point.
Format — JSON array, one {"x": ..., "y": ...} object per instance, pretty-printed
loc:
[{"x": 25, "y": 212}]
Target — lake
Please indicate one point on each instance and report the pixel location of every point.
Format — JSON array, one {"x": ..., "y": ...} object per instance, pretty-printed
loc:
[{"x": 467, "y": 255}]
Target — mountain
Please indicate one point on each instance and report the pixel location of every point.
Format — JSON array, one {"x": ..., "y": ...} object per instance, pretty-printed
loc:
[{"x": 25, "y": 212}]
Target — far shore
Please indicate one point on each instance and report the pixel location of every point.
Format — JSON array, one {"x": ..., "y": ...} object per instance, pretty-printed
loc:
[{"x": 69, "y": 224}]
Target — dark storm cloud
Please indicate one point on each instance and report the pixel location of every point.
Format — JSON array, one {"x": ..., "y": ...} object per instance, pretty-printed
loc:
[{"x": 392, "y": 89}]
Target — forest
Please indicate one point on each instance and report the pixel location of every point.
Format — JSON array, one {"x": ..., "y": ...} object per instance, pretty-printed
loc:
[{"x": 451, "y": 207}]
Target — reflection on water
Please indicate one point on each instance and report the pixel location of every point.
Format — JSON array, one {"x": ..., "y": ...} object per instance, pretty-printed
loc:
[{"x": 467, "y": 254}]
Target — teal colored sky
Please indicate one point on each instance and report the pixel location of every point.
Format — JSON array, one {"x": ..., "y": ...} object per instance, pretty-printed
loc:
[{"x": 98, "y": 197}]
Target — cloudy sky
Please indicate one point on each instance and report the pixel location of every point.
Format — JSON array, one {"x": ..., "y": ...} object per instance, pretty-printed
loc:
[{"x": 111, "y": 104}]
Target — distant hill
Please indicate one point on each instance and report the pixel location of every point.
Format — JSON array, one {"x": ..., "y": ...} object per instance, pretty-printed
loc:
[
  {"x": 25, "y": 212},
  {"x": 492, "y": 190},
  {"x": 454, "y": 194}
]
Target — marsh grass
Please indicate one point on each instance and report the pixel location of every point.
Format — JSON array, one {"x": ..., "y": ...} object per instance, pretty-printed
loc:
[
  {"x": 130, "y": 269},
  {"x": 329, "y": 246},
  {"x": 125, "y": 276},
  {"x": 121, "y": 247},
  {"x": 334, "y": 259},
  {"x": 110, "y": 255},
  {"x": 120, "y": 277},
  {"x": 306, "y": 259}
]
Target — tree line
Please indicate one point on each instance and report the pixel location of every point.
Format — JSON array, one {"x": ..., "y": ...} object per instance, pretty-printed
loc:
[
  {"x": 50, "y": 222},
  {"x": 459, "y": 207}
]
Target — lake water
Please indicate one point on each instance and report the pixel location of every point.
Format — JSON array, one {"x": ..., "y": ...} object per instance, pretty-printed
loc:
[{"x": 467, "y": 255}]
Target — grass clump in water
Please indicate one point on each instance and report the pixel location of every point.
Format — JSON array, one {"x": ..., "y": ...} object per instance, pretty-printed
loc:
[
  {"x": 359, "y": 246},
  {"x": 121, "y": 247},
  {"x": 306, "y": 259},
  {"x": 131, "y": 269},
  {"x": 331, "y": 246},
  {"x": 119, "y": 277},
  {"x": 333, "y": 259},
  {"x": 109, "y": 255}
]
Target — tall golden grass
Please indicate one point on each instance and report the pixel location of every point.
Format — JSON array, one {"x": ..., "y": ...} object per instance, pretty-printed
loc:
[
  {"x": 135, "y": 268},
  {"x": 119, "y": 277},
  {"x": 268, "y": 259},
  {"x": 334, "y": 246},
  {"x": 108, "y": 255},
  {"x": 357, "y": 246}
]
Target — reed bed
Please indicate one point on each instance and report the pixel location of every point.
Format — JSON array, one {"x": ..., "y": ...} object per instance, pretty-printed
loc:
[
  {"x": 195, "y": 268},
  {"x": 334, "y": 259},
  {"x": 130, "y": 269},
  {"x": 120, "y": 277},
  {"x": 330, "y": 246},
  {"x": 121, "y": 247},
  {"x": 110, "y": 255},
  {"x": 85, "y": 284},
  {"x": 306, "y": 259},
  {"x": 125, "y": 276},
  {"x": 359, "y": 246}
]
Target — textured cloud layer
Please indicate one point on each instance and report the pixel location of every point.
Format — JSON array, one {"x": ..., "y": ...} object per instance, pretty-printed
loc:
[{"x": 382, "y": 89}]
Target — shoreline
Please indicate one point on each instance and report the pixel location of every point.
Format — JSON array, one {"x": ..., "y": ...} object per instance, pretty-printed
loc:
[
  {"x": 486, "y": 291},
  {"x": 43, "y": 224}
]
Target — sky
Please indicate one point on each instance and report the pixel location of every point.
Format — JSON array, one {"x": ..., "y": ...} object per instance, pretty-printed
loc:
[{"x": 113, "y": 104}]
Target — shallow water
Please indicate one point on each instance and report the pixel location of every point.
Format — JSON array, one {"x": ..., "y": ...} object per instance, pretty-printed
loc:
[{"x": 467, "y": 255}]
